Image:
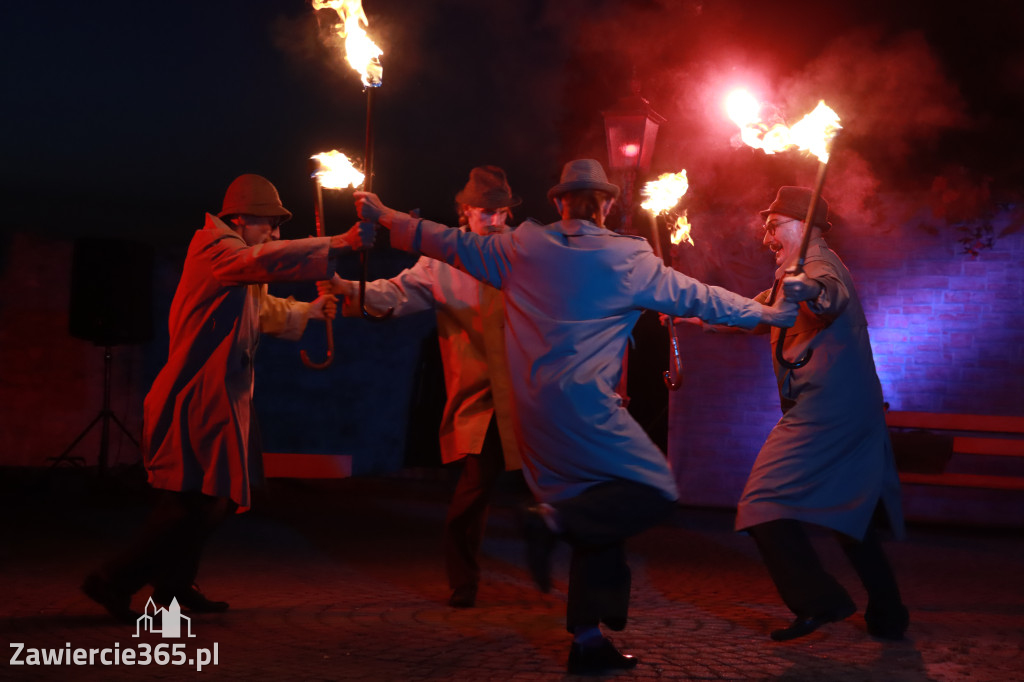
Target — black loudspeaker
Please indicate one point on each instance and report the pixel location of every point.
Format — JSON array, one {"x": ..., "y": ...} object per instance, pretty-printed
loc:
[{"x": 111, "y": 292}]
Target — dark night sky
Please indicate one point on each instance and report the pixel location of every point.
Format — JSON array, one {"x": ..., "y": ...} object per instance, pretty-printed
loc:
[{"x": 132, "y": 118}]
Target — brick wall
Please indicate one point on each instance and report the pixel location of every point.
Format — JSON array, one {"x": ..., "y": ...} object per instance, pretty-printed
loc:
[
  {"x": 948, "y": 335},
  {"x": 946, "y": 327},
  {"x": 51, "y": 384}
]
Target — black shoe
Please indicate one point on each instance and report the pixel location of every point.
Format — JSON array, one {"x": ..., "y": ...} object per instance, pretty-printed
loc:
[
  {"x": 887, "y": 623},
  {"x": 805, "y": 626},
  {"x": 104, "y": 593},
  {"x": 540, "y": 544},
  {"x": 601, "y": 658},
  {"x": 190, "y": 598},
  {"x": 463, "y": 597}
]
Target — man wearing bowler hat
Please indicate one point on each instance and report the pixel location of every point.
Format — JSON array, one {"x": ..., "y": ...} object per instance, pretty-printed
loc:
[
  {"x": 476, "y": 426},
  {"x": 200, "y": 442},
  {"x": 573, "y": 292},
  {"x": 828, "y": 461}
]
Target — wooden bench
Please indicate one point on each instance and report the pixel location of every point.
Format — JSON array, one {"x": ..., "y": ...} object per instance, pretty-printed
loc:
[{"x": 927, "y": 442}]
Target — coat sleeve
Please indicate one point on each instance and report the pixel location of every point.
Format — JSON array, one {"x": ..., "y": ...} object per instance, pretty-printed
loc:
[
  {"x": 284, "y": 318},
  {"x": 762, "y": 298},
  {"x": 666, "y": 290},
  {"x": 410, "y": 291},
  {"x": 484, "y": 257},
  {"x": 235, "y": 263},
  {"x": 835, "y": 295}
]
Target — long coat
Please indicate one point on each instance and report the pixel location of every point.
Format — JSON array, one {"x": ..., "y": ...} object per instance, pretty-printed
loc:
[
  {"x": 199, "y": 426},
  {"x": 829, "y": 460},
  {"x": 573, "y": 292},
  {"x": 471, "y": 334}
]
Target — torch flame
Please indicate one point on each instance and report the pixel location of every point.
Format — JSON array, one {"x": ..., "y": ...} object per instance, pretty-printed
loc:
[
  {"x": 337, "y": 171},
  {"x": 661, "y": 195},
  {"x": 681, "y": 231},
  {"x": 361, "y": 52},
  {"x": 813, "y": 133}
]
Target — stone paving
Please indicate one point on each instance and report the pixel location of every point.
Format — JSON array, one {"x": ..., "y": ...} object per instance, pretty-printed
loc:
[{"x": 342, "y": 580}]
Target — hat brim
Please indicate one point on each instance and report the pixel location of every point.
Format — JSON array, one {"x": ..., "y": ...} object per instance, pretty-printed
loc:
[
  {"x": 824, "y": 225},
  {"x": 467, "y": 199},
  {"x": 574, "y": 185},
  {"x": 262, "y": 213}
]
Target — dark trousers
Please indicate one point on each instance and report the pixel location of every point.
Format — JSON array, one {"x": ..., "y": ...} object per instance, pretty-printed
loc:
[
  {"x": 167, "y": 548},
  {"x": 467, "y": 512},
  {"x": 804, "y": 584},
  {"x": 596, "y": 524}
]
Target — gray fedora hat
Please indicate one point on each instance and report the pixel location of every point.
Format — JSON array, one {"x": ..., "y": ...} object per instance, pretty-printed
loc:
[{"x": 583, "y": 174}]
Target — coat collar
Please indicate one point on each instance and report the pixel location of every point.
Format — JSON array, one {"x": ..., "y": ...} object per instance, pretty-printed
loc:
[
  {"x": 216, "y": 224},
  {"x": 577, "y": 228}
]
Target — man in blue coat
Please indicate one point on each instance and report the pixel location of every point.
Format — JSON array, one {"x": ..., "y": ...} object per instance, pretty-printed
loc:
[{"x": 573, "y": 291}]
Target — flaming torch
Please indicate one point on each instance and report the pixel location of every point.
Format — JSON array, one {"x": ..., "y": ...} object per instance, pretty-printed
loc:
[
  {"x": 814, "y": 133},
  {"x": 660, "y": 198},
  {"x": 331, "y": 170},
  {"x": 363, "y": 55}
]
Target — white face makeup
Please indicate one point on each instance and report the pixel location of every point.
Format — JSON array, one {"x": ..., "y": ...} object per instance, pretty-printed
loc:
[
  {"x": 782, "y": 235},
  {"x": 485, "y": 220}
]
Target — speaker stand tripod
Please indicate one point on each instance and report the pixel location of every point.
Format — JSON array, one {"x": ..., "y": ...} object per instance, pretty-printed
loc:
[{"x": 105, "y": 416}]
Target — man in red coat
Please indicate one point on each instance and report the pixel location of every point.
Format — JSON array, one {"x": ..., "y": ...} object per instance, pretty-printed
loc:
[{"x": 200, "y": 443}]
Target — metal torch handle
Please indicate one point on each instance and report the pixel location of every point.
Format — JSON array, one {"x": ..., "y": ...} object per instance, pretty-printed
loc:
[
  {"x": 799, "y": 268},
  {"x": 673, "y": 376},
  {"x": 328, "y": 324},
  {"x": 364, "y": 262},
  {"x": 364, "y": 256}
]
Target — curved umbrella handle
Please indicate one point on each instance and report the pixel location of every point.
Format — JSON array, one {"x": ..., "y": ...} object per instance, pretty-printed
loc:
[
  {"x": 328, "y": 324},
  {"x": 797, "y": 364},
  {"x": 330, "y": 350},
  {"x": 673, "y": 376}
]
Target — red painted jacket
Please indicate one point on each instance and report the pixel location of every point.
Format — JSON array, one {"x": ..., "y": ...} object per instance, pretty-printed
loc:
[{"x": 199, "y": 425}]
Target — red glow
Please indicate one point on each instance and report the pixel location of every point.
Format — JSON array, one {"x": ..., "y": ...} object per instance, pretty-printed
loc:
[{"x": 630, "y": 150}]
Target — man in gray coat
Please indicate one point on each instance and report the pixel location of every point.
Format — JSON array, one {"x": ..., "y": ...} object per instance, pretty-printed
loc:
[
  {"x": 828, "y": 461},
  {"x": 573, "y": 291}
]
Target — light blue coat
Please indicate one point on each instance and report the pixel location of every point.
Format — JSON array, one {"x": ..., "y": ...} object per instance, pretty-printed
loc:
[
  {"x": 829, "y": 460},
  {"x": 573, "y": 292}
]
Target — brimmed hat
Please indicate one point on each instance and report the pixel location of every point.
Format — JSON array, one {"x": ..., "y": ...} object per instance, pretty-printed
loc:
[
  {"x": 583, "y": 174},
  {"x": 487, "y": 188},
  {"x": 252, "y": 194},
  {"x": 794, "y": 202}
]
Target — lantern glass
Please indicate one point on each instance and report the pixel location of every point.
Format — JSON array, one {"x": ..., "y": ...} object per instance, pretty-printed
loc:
[{"x": 631, "y": 130}]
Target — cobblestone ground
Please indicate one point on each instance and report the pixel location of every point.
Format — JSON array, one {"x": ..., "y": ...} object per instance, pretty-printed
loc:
[{"x": 342, "y": 580}]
